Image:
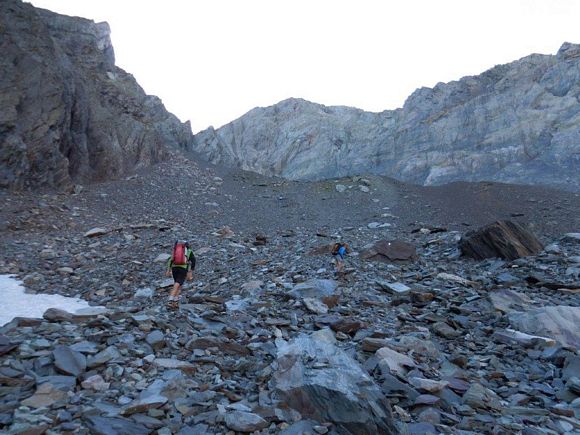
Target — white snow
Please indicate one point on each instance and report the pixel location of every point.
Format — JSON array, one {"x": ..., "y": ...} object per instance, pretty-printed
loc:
[{"x": 14, "y": 302}]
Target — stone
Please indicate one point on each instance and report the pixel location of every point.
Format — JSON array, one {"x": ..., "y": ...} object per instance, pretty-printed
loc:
[
  {"x": 456, "y": 279},
  {"x": 370, "y": 344},
  {"x": 340, "y": 188},
  {"x": 156, "y": 339},
  {"x": 480, "y": 397},
  {"x": 572, "y": 237},
  {"x": 45, "y": 396},
  {"x": 103, "y": 357},
  {"x": 162, "y": 258},
  {"x": 501, "y": 239},
  {"x": 428, "y": 385},
  {"x": 144, "y": 293},
  {"x": 397, "y": 288},
  {"x": 508, "y": 300},
  {"x": 95, "y": 232},
  {"x": 347, "y": 325},
  {"x": 241, "y": 421},
  {"x": 57, "y": 315},
  {"x": 171, "y": 364},
  {"x": 444, "y": 330},
  {"x": 144, "y": 404},
  {"x": 315, "y": 306},
  {"x": 68, "y": 361},
  {"x": 96, "y": 383},
  {"x": 398, "y": 363},
  {"x": 509, "y": 336},
  {"x": 314, "y": 288},
  {"x": 332, "y": 388},
  {"x": 113, "y": 425},
  {"x": 561, "y": 323},
  {"x": 389, "y": 251}
]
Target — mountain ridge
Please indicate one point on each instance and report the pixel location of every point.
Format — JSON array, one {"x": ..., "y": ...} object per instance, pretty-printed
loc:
[{"x": 515, "y": 123}]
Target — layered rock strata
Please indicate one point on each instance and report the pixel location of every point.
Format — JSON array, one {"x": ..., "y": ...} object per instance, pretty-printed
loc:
[{"x": 515, "y": 123}]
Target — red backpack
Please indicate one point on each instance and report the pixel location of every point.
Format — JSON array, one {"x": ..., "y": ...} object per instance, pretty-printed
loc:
[{"x": 179, "y": 254}]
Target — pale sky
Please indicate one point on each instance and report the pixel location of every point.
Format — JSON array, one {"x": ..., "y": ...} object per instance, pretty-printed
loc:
[{"x": 211, "y": 61}]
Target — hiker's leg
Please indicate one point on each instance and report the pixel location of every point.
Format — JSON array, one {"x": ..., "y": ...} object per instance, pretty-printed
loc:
[{"x": 175, "y": 291}]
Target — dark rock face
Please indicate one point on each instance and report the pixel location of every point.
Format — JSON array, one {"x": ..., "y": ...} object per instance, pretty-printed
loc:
[
  {"x": 336, "y": 389},
  {"x": 502, "y": 239},
  {"x": 68, "y": 114},
  {"x": 515, "y": 123}
]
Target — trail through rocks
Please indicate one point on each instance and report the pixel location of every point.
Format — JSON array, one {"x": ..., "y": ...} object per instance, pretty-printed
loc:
[{"x": 267, "y": 338}]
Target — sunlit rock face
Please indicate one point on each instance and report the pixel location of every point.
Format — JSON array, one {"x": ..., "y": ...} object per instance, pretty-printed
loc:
[
  {"x": 516, "y": 123},
  {"x": 68, "y": 114}
]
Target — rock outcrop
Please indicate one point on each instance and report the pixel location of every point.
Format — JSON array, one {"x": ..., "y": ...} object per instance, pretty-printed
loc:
[
  {"x": 68, "y": 114},
  {"x": 515, "y": 123},
  {"x": 502, "y": 239}
]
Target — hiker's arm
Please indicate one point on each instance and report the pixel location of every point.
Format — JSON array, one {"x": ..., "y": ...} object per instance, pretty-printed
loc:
[{"x": 168, "y": 269}]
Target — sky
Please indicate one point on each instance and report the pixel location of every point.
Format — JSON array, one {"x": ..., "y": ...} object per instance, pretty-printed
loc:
[{"x": 211, "y": 61}]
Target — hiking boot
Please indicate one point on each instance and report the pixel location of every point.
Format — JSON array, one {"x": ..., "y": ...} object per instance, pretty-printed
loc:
[{"x": 173, "y": 305}]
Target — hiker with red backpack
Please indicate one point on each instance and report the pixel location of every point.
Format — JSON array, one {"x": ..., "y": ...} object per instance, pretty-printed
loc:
[{"x": 180, "y": 265}]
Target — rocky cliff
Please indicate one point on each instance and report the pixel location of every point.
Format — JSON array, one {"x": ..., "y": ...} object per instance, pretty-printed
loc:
[
  {"x": 67, "y": 113},
  {"x": 515, "y": 123}
]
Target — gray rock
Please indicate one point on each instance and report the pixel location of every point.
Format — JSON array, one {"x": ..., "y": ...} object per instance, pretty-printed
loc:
[
  {"x": 509, "y": 300},
  {"x": 45, "y": 396},
  {"x": 103, "y": 357},
  {"x": 144, "y": 404},
  {"x": 114, "y": 426},
  {"x": 394, "y": 287},
  {"x": 68, "y": 361},
  {"x": 480, "y": 397},
  {"x": 315, "y": 288},
  {"x": 321, "y": 382},
  {"x": 169, "y": 363},
  {"x": 57, "y": 315},
  {"x": 144, "y": 293},
  {"x": 561, "y": 323},
  {"x": 156, "y": 339},
  {"x": 241, "y": 421}
]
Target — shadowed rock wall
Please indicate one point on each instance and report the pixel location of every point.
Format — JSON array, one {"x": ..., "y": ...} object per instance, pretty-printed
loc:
[{"x": 67, "y": 113}]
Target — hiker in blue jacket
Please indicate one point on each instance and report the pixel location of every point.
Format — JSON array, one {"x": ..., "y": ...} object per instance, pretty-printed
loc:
[
  {"x": 180, "y": 265},
  {"x": 339, "y": 250}
]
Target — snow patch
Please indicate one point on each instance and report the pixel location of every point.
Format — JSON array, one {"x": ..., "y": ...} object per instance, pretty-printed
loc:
[{"x": 16, "y": 303}]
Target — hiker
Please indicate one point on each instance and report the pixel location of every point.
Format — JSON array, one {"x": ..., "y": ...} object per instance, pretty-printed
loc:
[
  {"x": 180, "y": 265},
  {"x": 339, "y": 250}
]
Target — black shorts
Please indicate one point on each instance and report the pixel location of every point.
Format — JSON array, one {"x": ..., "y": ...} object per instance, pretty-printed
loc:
[{"x": 179, "y": 274}]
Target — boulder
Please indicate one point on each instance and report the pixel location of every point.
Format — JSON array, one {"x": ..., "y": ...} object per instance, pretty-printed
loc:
[
  {"x": 562, "y": 323},
  {"x": 315, "y": 288},
  {"x": 502, "y": 239},
  {"x": 387, "y": 251},
  {"x": 45, "y": 396},
  {"x": 242, "y": 421},
  {"x": 114, "y": 425},
  {"x": 320, "y": 381},
  {"x": 68, "y": 361}
]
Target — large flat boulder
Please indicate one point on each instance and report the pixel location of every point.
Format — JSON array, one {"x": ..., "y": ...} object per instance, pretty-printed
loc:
[
  {"x": 501, "y": 239},
  {"x": 389, "y": 251},
  {"x": 562, "y": 323},
  {"x": 321, "y": 382}
]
